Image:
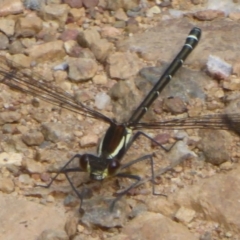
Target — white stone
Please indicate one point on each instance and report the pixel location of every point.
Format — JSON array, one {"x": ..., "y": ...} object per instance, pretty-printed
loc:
[
  {"x": 152, "y": 11},
  {"x": 185, "y": 215},
  {"x": 10, "y": 159},
  {"x": 102, "y": 100}
]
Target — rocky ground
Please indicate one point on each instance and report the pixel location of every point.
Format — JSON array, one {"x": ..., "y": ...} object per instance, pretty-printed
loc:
[{"x": 108, "y": 54}]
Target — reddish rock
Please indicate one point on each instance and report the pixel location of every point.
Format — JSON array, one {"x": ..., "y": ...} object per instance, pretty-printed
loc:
[
  {"x": 90, "y": 3},
  {"x": 208, "y": 15},
  {"x": 74, "y": 3},
  {"x": 110, "y": 32},
  {"x": 69, "y": 34}
]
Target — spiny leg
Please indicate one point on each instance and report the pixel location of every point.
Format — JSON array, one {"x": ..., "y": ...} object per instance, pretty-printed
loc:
[
  {"x": 150, "y": 157},
  {"x": 120, "y": 195},
  {"x": 139, "y": 133},
  {"x": 63, "y": 170},
  {"x": 136, "y": 177},
  {"x": 80, "y": 196}
]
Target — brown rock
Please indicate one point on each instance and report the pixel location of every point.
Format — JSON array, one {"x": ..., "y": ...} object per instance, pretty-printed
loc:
[
  {"x": 56, "y": 12},
  {"x": 22, "y": 60},
  {"x": 48, "y": 34},
  {"x": 121, "y": 15},
  {"x": 125, "y": 4},
  {"x": 82, "y": 69},
  {"x": 37, "y": 218},
  {"x": 4, "y": 42},
  {"x": 110, "y": 32},
  {"x": 100, "y": 79},
  {"x": 185, "y": 215},
  {"x": 175, "y": 105},
  {"x": 208, "y": 15},
  {"x": 97, "y": 212},
  {"x": 9, "y": 117},
  {"x": 233, "y": 84},
  {"x": 69, "y": 34},
  {"x": 72, "y": 48},
  {"x": 153, "y": 226},
  {"x": 33, "y": 138},
  {"x": 34, "y": 167},
  {"x": 28, "y": 26},
  {"x": 161, "y": 138},
  {"x": 123, "y": 65},
  {"x": 236, "y": 68},
  {"x": 14, "y": 159},
  {"x": 88, "y": 37},
  {"x": 16, "y": 47},
  {"x": 89, "y": 140},
  {"x": 50, "y": 155},
  {"x": 11, "y": 7},
  {"x": 145, "y": 43},
  {"x": 86, "y": 53},
  {"x": 7, "y": 26},
  {"x": 71, "y": 226},
  {"x": 101, "y": 49},
  {"x": 235, "y": 16},
  {"x": 6, "y": 185},
  {"x": 132, "y": 26},
  {"x": 10, "y": 128},
  {"x": 28, "y": 42},
  {"x": 215, "y": 152},
  {"x": 47, "y": 51},
  {"x": 52, "y": 234},
  {"x": 216, "y": 198},
  {"x": 152, "y": 11},
  {"x": 56, "y": 131},
  {"x": 77, "y": 14}
]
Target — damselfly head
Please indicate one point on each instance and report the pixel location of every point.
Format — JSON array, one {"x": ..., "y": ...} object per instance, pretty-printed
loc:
[
  {"x": 98, "y": 168},
  {"x": 98, "y": 175},
  {"x": 97, "y": 172}
]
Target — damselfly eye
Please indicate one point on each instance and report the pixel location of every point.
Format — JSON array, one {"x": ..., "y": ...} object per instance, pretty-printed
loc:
[
  {"x": 84, "y": 161},
  {"x": 113, "y": 167}
]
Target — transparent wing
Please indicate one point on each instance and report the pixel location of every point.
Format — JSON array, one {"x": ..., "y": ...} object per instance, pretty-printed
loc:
[
  {"x": 215, "y": 121},
  {"x": 23, "y": 80}
]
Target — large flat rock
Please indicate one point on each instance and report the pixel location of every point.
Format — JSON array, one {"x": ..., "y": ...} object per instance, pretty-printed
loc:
[{"x": 22, "y": 219}]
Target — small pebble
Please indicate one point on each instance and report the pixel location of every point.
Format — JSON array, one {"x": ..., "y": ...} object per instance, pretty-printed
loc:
[
  {"x": 80, "y": 228},
  {"x": 50, "y": 199},
  {"x": 6, "y": 185}
]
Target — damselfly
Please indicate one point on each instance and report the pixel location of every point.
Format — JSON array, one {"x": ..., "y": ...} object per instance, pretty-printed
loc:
[{"x": 118, "y": 137}]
